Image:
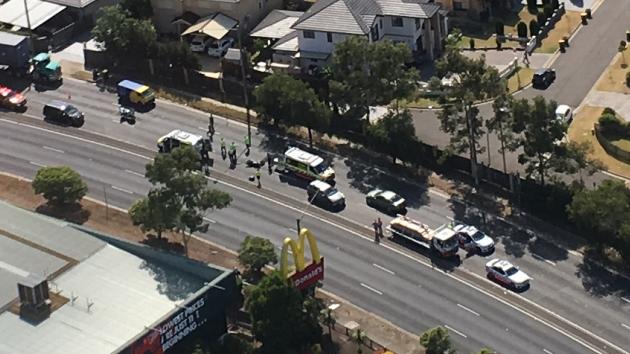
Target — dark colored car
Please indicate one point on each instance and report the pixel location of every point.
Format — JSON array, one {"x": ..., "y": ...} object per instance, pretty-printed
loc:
[
  {"x": 63, "y": 113},
  {"x": 386, "y": 201},
  {"x": 543, "y": 77}
]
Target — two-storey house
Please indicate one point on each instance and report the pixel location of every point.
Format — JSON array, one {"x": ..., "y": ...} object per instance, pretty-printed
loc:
[{"x": 419, "y": 24}]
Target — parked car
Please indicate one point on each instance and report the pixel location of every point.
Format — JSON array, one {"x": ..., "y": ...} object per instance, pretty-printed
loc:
[
  {"x": 472, "y": 239},
  {"x": 564, "y": 113},
  {"x": 543, "y": 77},
  {"x": 200, "y": 43},
  {"x": 12, "y": 99},
  {"x": 64, "y": 113},
  {"x": 507, "y": 274},
  {"x": 219, "y": 48},
  {"x": 387, "y": 201},
  {"x": 325, "y": 195}
]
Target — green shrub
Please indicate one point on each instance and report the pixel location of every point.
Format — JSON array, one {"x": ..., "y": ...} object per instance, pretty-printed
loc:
[
  {"x": 533, "y": 28},
  {"x": 499, "y": 28},
  {"x": 547, "y": 10},
  {"x": 521, "y": 29},
  {"x": 541, "y": 19},
  {"x": 628, "y": 79},
  {"x": 498, "y": 43},
  {"x": 471, "y": 42},
  {"x": 609, "y": 110},
  {"x": 531, "y": 5},
  {"x": 611, "y": 126},
  {"x": 555, "y": 4}
]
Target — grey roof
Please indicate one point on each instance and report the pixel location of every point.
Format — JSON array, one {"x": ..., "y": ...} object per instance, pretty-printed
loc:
[
  {"x": 12, "y": 12},
  {"x": 79, "y": 4},
  {"x": 11, "y": 39},
  {"x": 357, "y": 16},
  {"x": 130, "y": 287},
  {"x": 276, "y": 25},
  {"x": 288, "y": 43}
]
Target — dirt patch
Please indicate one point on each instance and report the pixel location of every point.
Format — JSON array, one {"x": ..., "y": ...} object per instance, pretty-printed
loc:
[
  {"x": 581, "y": 129},
  {"x": 568, "y": 24},
  {"x": 614, "y": 77}
]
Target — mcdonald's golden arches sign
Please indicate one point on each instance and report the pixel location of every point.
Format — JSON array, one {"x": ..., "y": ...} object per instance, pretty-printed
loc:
[{"x": 304, "y": 275}]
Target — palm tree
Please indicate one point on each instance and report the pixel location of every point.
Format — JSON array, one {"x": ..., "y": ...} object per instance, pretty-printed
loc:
[
  {"x": 329, "y": 320},
  {"x": 358, "y": 338}
]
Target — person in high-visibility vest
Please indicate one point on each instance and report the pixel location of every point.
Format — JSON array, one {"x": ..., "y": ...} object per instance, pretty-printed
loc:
[
  {"x": 248, "y": 143},
  {"x": 233, "y": 152}
]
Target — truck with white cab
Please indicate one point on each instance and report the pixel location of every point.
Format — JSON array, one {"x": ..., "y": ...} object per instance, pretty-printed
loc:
[{"x": 443, "y": 239}]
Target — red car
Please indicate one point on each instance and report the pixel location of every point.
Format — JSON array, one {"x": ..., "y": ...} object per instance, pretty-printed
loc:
[{"x": 12, "y": 99}]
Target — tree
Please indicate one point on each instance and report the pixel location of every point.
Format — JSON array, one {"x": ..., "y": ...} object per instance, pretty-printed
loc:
[
  {"x": 540, "y": 17},
  {"x": 437, "y": 341},
  {"x": 540, "y": 134},
  {"x": 555, "y": 4},
  {"x": 534, "y": 27},
  {"x": 601, "y": 211},
  {"x": 366, "y": 74},
  {"x": 158, "y": 211},
  {"x": 122, "y": 35},
  {"x": 501, "y": 123},
  {"x": 327, "y": 317},
  {"x": 575, "y": 159},
  {"x": 178, "y": 54},
  {"x": 473, "y": 80},
  {"x": 547, "y": 10},
  {"x": 233, "y": 344},
  {"x": 140, "y": 9},
  {"x": 177, "y": 173},
  {"x": 532, "y": 5},
  {"x": 292, "y": 101},
  {"x": 60, "y": 185},
  {"x": 521, "y": 29},
  {"x": 358, "y": 337},
  {"x": 499, "y": 28},
  {"x": 394, "y": 134},
  {"x": 277, "y": 308},
  {"x": 256, "y": 252}
]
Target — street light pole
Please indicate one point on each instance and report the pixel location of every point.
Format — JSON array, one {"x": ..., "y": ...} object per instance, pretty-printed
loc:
[
  {"x": 242, "y": 28},
  {"x": 30, "y": 30}
]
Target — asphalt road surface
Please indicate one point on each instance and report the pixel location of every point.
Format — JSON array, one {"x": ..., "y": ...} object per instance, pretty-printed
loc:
[
  {"x": 412, "y": 293},
  {"x": 581, "y": 293},
  {"x": 592, "y": 49}
]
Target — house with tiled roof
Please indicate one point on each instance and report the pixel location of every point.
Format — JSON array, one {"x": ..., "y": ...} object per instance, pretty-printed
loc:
[{"x": 419, "y": 23}]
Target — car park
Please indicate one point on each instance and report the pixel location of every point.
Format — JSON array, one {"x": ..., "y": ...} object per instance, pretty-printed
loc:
[
  {"x": 63, "y": 113},
  {"x": 12, "y": 99},
  {"x": 386, "y": 201},
  {"x": 473, "y": 240},
  {"x": 325, "y": 195},
  {"x": 543, "y": 77},
  {"x": 564, "y": 113},
  {"x": 507, "y": 274},
  {"x": 199, "y": 43},
  {"x": 219, "y": 48}
]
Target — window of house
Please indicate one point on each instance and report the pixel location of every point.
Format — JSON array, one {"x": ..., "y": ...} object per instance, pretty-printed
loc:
[
  {"x": 329, "y": 37},
  {"x": 309, "y": 34},
  {"x": 458, "y": 5},
  {"x": 397, "y": 22},
  {"x": 417, "y": 23}
]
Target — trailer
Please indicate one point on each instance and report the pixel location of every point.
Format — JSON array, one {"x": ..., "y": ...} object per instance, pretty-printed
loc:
[
  {"x": 443, "y": 239},
  {"x": 14, "y": 54}
]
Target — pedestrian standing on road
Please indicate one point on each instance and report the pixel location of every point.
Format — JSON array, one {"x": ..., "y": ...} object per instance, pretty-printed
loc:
[
  {"x": 379, "y": 223},
  {"x": 269, "y": 163},
  {"x": 258, "y": 177},
  {"x": 233, "y": 152},
  {"x": 248, "y": 144},
  {"x": 223, "y": 149},
  {"x": 211, "y": 127},
  {"x": 377, "y": 239}
]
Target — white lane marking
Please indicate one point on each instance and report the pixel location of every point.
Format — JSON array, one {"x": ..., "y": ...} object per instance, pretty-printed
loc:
[
  {"x": 135, "y": 173},
  {"x": 122, "y": 190},
  {"x": 8, "y": 121},
  {"x": 543, "y": 259},
  {"x": 395, "y": 250},
  {"x": 383, "y": 269},
  {"x": 292, "y": 229},
  {"x": 53, "y": 149},
  {"x": 625, "y": 326},
  {"x": 371, "y": 289},
  {"x": 210, "y": 220},
  {"x": 626, "y": 300},
  {"x": 547, "y": 351},
  {"x": 37, "y": 164},
  {"x": 467, "y": 309},
  {"x": 455, "y": 331}
]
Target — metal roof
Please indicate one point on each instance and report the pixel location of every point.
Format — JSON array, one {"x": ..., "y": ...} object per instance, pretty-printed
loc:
[
  {"x": 288, "y": 43},
  {"x": 276, "y": 25},
  {"x": 79, "y": 4},
  {"x": 357, "y": 16},
  {"x": 215, "y": 26},
  {"x": 11, "y": 39},
  {"x": 13, "y": 12}
]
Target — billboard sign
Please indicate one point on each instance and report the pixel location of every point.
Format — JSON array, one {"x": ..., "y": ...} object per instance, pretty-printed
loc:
[{"x": 304, "y": 275}]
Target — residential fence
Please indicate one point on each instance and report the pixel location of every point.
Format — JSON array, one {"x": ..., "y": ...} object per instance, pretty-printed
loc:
[
  {"x": 545, "y": 28},
  {"x": 509, "y": 69}
]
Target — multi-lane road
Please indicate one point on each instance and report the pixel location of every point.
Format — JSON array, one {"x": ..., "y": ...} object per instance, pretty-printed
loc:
[{"x": 570, "y": 308}]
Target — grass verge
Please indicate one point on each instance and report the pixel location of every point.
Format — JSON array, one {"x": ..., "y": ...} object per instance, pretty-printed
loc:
[
  {"x": 565, "y": 27},
  {"x": 520, "y": 78},
  {"x": 614, "y": 77}
]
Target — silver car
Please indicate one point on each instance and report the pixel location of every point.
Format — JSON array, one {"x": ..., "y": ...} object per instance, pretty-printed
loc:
[
  {"x": 472, "y": 239},
  {"x": 507, "y": 274}
]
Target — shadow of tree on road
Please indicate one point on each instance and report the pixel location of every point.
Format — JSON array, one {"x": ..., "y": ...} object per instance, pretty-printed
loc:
[
  {"x": 547, "y": 250},
  {"x": 599, "y": 281}
]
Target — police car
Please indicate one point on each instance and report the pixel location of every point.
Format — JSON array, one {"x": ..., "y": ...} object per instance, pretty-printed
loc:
[
  {"x": 325, "y": 195},
  {"x": 472, "y": 239},
  {"x": 507, "y": 274}
]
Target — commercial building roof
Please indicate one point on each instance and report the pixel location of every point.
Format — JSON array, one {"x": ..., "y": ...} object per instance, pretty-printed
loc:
[
  {"x": 276, "y": 25},
  {"x": 114, "y": 291},
  {"x": 13, "y": 12},
  {"x": 11, "y": 39},
  {"x": 79, "y": 4}
]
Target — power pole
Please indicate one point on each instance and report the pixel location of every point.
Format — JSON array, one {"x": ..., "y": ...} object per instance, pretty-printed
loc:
[{"x": 241, "y": 28}]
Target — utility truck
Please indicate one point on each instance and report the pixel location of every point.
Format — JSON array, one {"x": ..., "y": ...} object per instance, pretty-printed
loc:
[{"x": 443, "y": 240}]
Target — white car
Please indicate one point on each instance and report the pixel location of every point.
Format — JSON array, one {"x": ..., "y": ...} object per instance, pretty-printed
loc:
[
  {"x": 507, "y": 274},
  {"x": 472, "y": 239},
  {"x": 199, "y": 43},
  {"x": 564, "y": 113},
  {"x": 324, "y": 194},
  {"x": 220, "y": 47}
]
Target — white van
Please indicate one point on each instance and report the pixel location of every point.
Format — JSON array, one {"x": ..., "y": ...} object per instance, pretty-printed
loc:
[
  {"x": 199, "y": 43},
  {"x": 307, "y": 165},
  {"x": 176, "y": 138}
]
